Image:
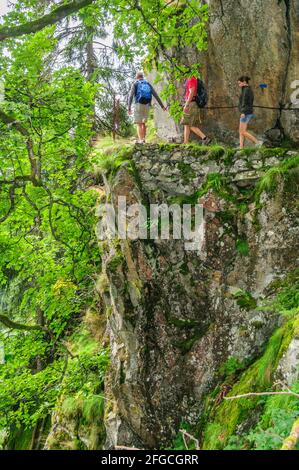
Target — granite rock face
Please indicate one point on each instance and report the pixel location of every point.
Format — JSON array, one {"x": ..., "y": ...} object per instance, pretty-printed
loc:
[
  {"x": 259, "y": 38},
  {"x": 175, "y": 316}
]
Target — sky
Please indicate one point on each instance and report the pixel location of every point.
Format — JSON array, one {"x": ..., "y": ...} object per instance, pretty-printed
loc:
[{"x": 3, "y": 7}]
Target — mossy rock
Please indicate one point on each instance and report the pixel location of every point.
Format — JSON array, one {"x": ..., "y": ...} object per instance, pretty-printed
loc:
[
  {"x": 257, "y": 378},
  {"x": 187, "y": 172},
  {"x": 114, "y": 263}
]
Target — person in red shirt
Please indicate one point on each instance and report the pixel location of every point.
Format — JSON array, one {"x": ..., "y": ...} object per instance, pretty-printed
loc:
[{"x": 191, "y": 117}]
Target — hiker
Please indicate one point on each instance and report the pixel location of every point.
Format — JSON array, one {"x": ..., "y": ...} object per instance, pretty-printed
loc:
[
  {"x": 196, "y": 97},
  {"x": 246, "y": 110},
  {"x": 143, "y": 92}
]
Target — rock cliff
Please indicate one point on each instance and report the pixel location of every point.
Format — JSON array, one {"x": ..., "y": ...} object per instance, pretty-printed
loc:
[
  {"x": 259, "y": 38},
  {"x": 176, "y": 318}
]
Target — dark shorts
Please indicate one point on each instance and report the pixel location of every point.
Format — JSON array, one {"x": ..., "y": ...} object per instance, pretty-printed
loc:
[{"x": 247, "y": 118}]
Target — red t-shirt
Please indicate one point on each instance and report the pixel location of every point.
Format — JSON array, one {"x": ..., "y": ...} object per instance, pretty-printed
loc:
[{"x": 191, "y": 83}]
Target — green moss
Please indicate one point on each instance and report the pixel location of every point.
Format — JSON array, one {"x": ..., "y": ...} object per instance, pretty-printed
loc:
[
  {"x": 280, "y": 402},
  {"x": 280, "y": 284},
  {"x": 286, "y": 300},
  {"x": 97, "y": 435},
  {"x": 184, "y": 269},
  {"x": 273, "y": 152},
  {"x": 108, "y": 162},
  {"x": 245, "y": 300},
  {"x": 169, "y": 147},
  {"x": 185, "y": 199},
  {"x": 115, "y": 262},
  {"x": 19, "y": 439},
  {"x": 136, "y": 175},
  {"x": 88, "y": 414},
  {"x": 135, "y": 288},
  {"x": 197, "y": 149},
  {"x": 102, "y": 284},
  {"x": 78, "y": 445},
  {"x": 288, "y": 143},
  {"x": 231, "y": 366},
  {"x": 83, "y": 342},
  {"x": 248, "y": 151},
  {"x": 287, "y": 168},
  {"x": 186, "y": 345},
  {"x": 228, "y": 157},
  {"x": 215, "y": 181},
  {"x": 71, "y": 407},
  {"x": 242, "y": 208},
  {"x": 242, "y": 247},
  {"x": 256, "y": 378},
  {"x": 274, "y": 425},
  {"x": 187, "y": 172},
  {"x": 93, "y": 408},
  {"x": 227, "y": 217},
  {"x": 193, "y": 331},
  {"x": 214, "y": 436},
  {"x": 216, "y": 152}
]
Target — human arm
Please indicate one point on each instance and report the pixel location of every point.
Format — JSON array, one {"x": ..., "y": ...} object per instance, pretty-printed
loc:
[
  {"x": 157, "y": 97},
  {"x": 244, "y": 101},
  {"x": 131, "y": 97}
]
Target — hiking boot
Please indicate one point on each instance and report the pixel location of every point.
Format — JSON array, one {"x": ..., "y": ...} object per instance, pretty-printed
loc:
[{"x": 206, "y": 141}]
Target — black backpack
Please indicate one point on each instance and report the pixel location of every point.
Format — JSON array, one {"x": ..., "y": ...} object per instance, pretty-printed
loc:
[{"x": 202, "y": 95}]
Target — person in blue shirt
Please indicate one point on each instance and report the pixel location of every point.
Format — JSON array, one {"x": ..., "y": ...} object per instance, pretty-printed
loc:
[{"x": 142, "y": 92}]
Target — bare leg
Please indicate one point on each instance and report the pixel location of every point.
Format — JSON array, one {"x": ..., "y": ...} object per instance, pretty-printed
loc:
[
  {"x": 198, "y": 132},
  {"x": 242, "y": 129},
  {"x": 186, "y": 134},
  {"x": 143, "y": 131},
  {"x": 250, "y": 137},
  {"x": 245, "y": 135},
  {"x": 140, "y": 131}
]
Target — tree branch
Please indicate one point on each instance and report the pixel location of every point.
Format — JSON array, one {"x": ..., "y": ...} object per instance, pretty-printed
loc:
[
  {"x": 20, "y": 326},
  {"x": 11, "y": 193},
  {"x": 9, "y": 120},
  {"x": 51, "y": 18},
  {"x": 189, "y": 436},
  {"x": 263, "y": 394}
]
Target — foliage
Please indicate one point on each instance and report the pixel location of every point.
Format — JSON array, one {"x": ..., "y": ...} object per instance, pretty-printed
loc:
[
  {"x": 242, "y": 247},
  {"x": 273, "y": 427},
  {"x": 245, "y": 300},
  {"x": 286, "y": 300},
  {"x": 288, "y": 168},
  {"x": 231, "y": 366},
  {"x": 152, "y": 29},
  {"x": 279, "y": 412},
  {"x": 48, "y": 247},
  {"x": 178, "y": 443},
  {"x": 49, "y": 252},
  {"x": 108, "y": 161},
  {"x": 257, "y": 377}
]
